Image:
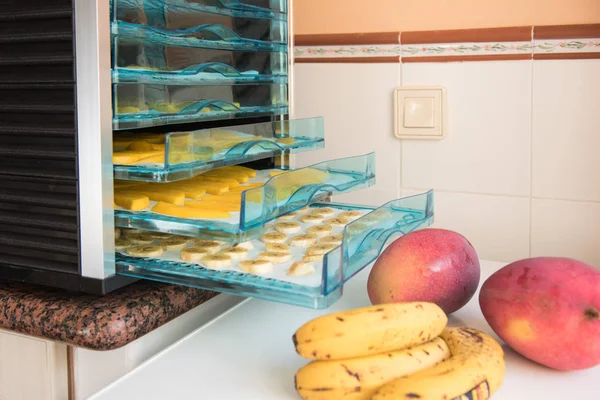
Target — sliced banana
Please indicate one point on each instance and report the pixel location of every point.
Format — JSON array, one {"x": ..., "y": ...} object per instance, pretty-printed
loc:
[
  {"x": 287, "y": 217},
  {"x": 320, "y": 230},
  {"x": 129, "y": 232},
  {"x": 300, "y": 268},
  {"x": 275, "y": 258},
  {"x": 350, "y": 215},
  {"x": 338, "y": 221},
  {"x": 320, "y": 249},
  {"x": 117, "y": 233},
  {"x": 122, "y": 243},
  {"x": 217, "y": 261},
  {"x": 273, "y": 237},
  {"x": 174, "y": 243},
  {"x": 141, "y": 238},
  {"x": 193, "y": 254},
  {"x": 303, "y": 210},
  {"x": 259, "y": 267},
  {"x": 245, "y": 245},
  {"x": 303, "y": 240},
  {"x": 202, "y": 242},
  {"x": 332, "y": 239},
  {"x": 324, "y": 211},
  {"x": 312, "y": 218},
  {"x": 277, "y": 248},
  {"x": 288, "y": 227},
  {"x": 317, "y": 257},
  {"x": 210, "y": 246},
  {"x": 145, "y": 251},
  {"x": 160, "y": 235},
  {"x": 236, "y": 253}
]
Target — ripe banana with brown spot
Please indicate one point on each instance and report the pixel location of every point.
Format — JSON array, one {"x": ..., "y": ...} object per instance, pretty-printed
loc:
[
  {"x": 369, "y": 330},
  {"x": 359, "y": 378},
  {"x": 475, "y": 371}
]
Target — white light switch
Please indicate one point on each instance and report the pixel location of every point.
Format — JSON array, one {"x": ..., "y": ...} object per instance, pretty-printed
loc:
[{"x": 420, "y": 112}]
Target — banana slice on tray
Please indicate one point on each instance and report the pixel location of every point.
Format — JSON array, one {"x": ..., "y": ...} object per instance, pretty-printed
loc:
[
  {"x": 210, "y": 246},
  {"x": 300, "y": 268},
  {"x": 338, "y": 221},
  {"x": 128, "y": 232},
  {"x": 350, "y": 215},
  {"x": 141, "y": 238},
  {"x": 332, "y": 239},
  {"x": 287, "y": 217},
  {"x": 122, "y": 243},
  {"x": 174, "y": 243},
  {"x": 303, "y": 210},
  {"x": 193, "y": 254},
  {"x": 320, "y": 249},
  {"x": 159, "y": 235},
  {"x": 324, "y": 211},
  {"x": 277, "y": 248},
  {"x": 303, "y": 240},
  {"x": 236, "y": 253},
  {"x": 275, "y": 258},
  {"x": 273, "y": 237},
  {"x": 320, "y": 230},
  {"x": 308, "y": 258},
  {"x": 259, "y": 267},
  {"x": 288, "y": 227},
  {"x": 312, "y": 219},
  {"x": 117, "y": 233},
  {"x": 217, "y": 261},
  {"x": 145, "y": 251},
  {"x": 245, "y": 245}
]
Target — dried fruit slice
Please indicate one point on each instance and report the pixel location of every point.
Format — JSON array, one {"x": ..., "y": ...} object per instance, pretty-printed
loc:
[
  {"x": 338, "y": 221},
  {"x": 350, "y": 215},
  {"x": 320, "y": 249},
  {"x": 320, "y": 230},
  {"x": 288, "y": 227},
  {"x": 324, "y": 211},
  {"x": 217, "y": 261},
  {"x": 287, "y": 217},
  {"x": 273, "y": 237},
  {"x": 210, "y": 246},
  {"x": 332, "y": 239},
  {"x": 300, "y": 268},
  {"x": 303, "y": 240},
  {"x": 259, "y": 267},
  {"x": 277, "y": 248},
  {"x": 141, "y": 238},
  {"x": 275, "y": 258},
  {"x": 312, "y": 219},
  {"x": 236, "y": 253},
  {"x": 193, "y": 254},
  {"x": 145, "y": 251},
  {"x": 174, "y": 243},
  {"x": 122, "y": 243}
]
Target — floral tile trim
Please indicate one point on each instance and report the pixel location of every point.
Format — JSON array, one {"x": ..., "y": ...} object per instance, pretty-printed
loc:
[
  {"x": 392, "y": 50},
  {"x": 467, "y": 49},
  {"x": 567, "y": 46}
]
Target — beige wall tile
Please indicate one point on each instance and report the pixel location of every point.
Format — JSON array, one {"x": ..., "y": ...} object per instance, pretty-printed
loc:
[
  {"x": 497, "y": 226},
  {"x": 488, "y": 145},
  {"x": 566, "y": 129},
  {"x": 356, "y": 102},
  {"x": 566, "y": 229}
]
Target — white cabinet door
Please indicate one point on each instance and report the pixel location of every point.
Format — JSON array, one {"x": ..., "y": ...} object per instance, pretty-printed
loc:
[{"x": 32, "y": 368}]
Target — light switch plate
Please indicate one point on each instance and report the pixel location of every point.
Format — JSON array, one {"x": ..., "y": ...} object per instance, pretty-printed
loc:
[{"x": 420, "y": 112}]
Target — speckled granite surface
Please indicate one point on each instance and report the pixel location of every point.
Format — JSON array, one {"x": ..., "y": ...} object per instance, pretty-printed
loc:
[{"x": 94, "y": 322}]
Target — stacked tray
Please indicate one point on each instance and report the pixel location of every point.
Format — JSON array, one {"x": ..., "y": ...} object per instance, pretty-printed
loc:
[{"x": 169, "y": 69}]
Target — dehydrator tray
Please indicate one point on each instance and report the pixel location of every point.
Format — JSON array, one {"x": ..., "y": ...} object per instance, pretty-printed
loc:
[
  {"x": 362, "y": 241},
  {"x": 183, "y": 155},
  {"x": 278, "y": 195}
]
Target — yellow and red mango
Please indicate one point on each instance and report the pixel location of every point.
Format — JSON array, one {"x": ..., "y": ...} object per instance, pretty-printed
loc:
[{"x": 548, "y": 310}]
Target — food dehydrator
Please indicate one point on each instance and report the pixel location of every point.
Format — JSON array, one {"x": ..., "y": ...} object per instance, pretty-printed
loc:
[{"x": 107, "y": 102}]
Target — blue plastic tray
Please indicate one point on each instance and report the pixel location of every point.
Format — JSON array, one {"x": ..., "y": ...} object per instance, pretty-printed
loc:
[
  {"x": 256, "y": 141},
  {"x": 280, "y": 195},
  {"x": 363, "y": 241}
]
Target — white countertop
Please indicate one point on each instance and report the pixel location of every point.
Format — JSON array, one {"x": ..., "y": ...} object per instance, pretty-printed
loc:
[{"x": 248, "y": 354}]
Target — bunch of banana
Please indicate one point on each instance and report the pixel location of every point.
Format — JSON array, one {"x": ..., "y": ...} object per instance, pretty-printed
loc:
[{"x": 396, "y": 351}]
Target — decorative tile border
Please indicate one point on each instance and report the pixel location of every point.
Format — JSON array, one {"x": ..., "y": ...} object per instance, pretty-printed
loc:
[
  {"x": 549, "y": 42},
  {"x": 567, "y": 46},
  {"x": 466, "y": 49},
  {"x": 387, "y": 50}
]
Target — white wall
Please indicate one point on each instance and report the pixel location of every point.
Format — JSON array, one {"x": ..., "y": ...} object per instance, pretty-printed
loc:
[{"x": 518, "y": 174}]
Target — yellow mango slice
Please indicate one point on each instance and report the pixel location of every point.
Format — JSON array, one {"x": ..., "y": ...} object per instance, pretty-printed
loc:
[
  {"x": 188, "y": 212},
  {"x": 159, "y": 159},
  {"x": 131, "y": 201},
  {"x": 287, "y": 141},
  {"x": 243, "y": 188},
  {"x": 213, "y": 205},
  {"x": 248, "y": 171},
  {"x": 131, "y": 157},
  {"x": 140, "y": 146},
  {"x": 238, "y": 176},
  {"x": 191, "y": 192},
  {"x": 230, "y": 182},
  {"x": 232, "y": 198},
  {"x": 165, "y": 195},
  {"x": 275, "y": 173}
]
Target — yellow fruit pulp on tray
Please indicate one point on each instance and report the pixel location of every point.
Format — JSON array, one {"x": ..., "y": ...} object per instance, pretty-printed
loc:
[
  {"x": 231, "y": 183},
  {"x": 191, "y": 192},
  {"x": 243, "y": 188},
  {"x": 156, "y": 194},
  {"x": 248, "y": 171},
  {"x": 232, "y": 198},
  {"x": 129, "y": 157},
  {"x": 287, "y": 141},
  {"x": 218, "y": 173},
  {"x": 131, "y": 201},
  {"x": 188, "y": 212},
  {"x": 275, "y": 173},
  {"x": 213, "y": 205}
]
